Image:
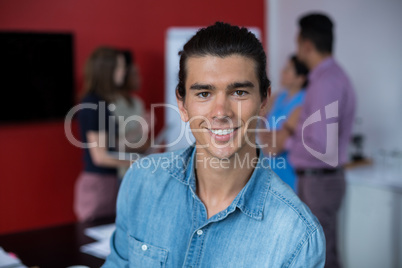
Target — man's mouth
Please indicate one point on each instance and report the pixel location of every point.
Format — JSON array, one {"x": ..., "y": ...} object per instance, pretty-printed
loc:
[{"x": 221, "y": 132}]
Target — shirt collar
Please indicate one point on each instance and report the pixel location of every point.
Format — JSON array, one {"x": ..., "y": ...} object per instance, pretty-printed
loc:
[
  {"x": 250, "y": 200},
  {"x": 320, "y": 68}
]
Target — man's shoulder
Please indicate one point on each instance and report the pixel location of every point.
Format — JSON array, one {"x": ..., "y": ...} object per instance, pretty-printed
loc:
[
  {"x": 334, "y": 75},
  {"x": 330, "y": 85},
  {"x": 164, "y": 161},
  {"x": 159, "y": 166},
  {"x": 282, "y": 200}
]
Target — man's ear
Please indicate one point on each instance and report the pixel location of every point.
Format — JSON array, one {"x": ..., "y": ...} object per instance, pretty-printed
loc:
[
  {"x": 264, "y": 104},
  {"x": 308, "y": 46},
  {"x": 182, "y": 109}
]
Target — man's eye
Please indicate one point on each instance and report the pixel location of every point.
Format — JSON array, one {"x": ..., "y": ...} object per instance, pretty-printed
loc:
[
  {"x": 203, "y": 95},
  {"x": 240, "y": 93}
]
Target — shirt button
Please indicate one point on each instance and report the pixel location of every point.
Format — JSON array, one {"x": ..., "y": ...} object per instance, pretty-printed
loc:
[
  {"x": 144, "y": 247},
  {"x": 200, "y": 232}
]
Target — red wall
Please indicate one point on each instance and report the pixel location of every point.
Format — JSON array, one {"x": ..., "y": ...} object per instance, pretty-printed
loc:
[{"x": 38, "y": 165}]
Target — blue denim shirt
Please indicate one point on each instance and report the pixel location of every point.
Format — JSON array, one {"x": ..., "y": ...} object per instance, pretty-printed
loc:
[{"x": 161, "y": 222}]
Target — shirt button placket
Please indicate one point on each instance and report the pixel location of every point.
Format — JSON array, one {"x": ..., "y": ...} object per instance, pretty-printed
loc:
[{"x": 195, "y": 248}]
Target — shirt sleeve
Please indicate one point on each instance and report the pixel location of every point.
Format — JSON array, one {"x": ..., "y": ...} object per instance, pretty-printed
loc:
[
  {"x": 311, "y": 253},
  {"x": 318, "y": 112},
  {"x": 289, "y": 143},
  {"x": 316, "y": 133},
  {"x": 118, "y": 256},
  {"x": 89, "y": 118}
]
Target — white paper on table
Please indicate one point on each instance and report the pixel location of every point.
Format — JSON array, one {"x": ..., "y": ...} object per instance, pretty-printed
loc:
[
  {"x": 101, "y": 232},
  {"x": 100, "y": 249},
  {"x": 7, "y": 261}
]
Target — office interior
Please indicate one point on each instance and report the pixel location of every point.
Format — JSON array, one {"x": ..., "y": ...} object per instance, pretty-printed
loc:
[{"x": 39, "y": 165}]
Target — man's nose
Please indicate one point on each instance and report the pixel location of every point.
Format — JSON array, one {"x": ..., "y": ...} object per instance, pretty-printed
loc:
[{"x": 222, "y": 107}]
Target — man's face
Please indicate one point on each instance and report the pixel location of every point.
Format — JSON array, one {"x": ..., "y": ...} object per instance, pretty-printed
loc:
[
  {"x": 302, "y": 48},
  {"x": 222, "y": 102},
  {"x": 289, "y": 77}
]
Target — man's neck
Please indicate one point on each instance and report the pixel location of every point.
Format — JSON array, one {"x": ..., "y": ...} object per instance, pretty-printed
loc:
[
  {"x": 220, "y": 180},
  {"x": 317, "y": 58}
]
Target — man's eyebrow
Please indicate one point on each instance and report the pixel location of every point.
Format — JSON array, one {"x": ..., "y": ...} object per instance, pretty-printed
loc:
[
  {"x": 245, "y": 84},
  {"x": 197, "y": 86}
]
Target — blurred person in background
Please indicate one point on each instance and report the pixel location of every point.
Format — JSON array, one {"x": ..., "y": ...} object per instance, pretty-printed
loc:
[
  {"x": 128, "y": 108},
  {"x": 318, "y": 150},
  {"x": 283, "y": 116},
  {"x": 97, "y": 186}
]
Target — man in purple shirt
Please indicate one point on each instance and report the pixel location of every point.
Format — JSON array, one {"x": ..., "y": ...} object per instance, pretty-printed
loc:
[{"x": 318, "y": 148}]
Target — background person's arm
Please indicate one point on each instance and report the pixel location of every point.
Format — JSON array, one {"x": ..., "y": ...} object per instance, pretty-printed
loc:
[
  {"x": 99, "y": 153},
  {"x": 276, "y": 139},
  {"x": 318, "y": 128}
]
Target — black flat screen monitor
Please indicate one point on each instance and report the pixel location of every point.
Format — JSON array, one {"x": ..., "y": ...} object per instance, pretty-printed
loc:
[{"x": 36, "y": 71}]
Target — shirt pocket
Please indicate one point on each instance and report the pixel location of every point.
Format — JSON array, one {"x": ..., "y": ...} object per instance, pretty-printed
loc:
[{"x": 143, "y": 254}]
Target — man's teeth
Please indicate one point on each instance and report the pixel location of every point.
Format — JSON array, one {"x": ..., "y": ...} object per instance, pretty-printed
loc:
[{"x": 222, "y": 131}]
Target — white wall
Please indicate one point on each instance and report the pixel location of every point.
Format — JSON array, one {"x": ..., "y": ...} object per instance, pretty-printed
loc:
[
  {"x": 178, "y": 135},
  {"x": 368, "y": 45}
]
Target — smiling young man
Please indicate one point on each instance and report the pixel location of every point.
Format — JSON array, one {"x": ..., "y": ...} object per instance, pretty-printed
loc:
[{"x": 216, "y": 203}]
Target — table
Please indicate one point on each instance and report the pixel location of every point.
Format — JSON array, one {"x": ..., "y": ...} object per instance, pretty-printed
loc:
[
  {"x": 57, "y": 246},
  {"x": 370, "y": 222}
]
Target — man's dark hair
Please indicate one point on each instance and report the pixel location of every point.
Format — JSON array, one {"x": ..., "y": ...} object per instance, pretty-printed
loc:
[
  {"x": 318, "y": 28},
  {"x": 300, "y": 69},
  {"x": 222, "y": 40}
]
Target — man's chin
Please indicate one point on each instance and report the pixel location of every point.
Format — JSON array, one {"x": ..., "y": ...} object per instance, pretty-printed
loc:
[
  {"x": 224, "y": 153},
  {"x": 220, "y": 152}
]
